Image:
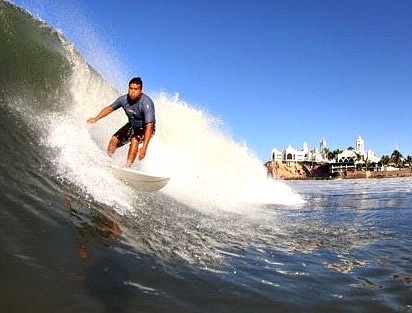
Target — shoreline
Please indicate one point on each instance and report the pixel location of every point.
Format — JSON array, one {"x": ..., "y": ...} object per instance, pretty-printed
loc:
[{"x": 301, "y": 171}]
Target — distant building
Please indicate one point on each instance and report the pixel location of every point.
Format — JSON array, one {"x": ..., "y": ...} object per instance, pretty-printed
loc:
[
  {"x": 347, "y": 156},
  {"x": 357, "y": 155},
  {"x": 351, "y": 155},
  {"x": 372, "y": 157},
  {"x": 290, "y": 154}
]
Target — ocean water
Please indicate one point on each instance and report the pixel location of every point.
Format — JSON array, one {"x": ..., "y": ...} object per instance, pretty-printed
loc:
[{"x": 221, "y": 237}]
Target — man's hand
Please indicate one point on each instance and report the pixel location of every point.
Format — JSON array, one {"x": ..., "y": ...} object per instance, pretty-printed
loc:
[{"x": 105, "y": 111}]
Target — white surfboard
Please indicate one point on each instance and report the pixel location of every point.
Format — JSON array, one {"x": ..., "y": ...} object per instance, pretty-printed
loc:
[{"x": 139, "y": 180}]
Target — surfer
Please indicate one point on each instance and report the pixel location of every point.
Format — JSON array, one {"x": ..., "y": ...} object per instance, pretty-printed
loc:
[{"x": 140, "y": 111}]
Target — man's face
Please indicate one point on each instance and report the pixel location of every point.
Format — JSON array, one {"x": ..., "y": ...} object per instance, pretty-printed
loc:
[{"x": 135, "y": 91}]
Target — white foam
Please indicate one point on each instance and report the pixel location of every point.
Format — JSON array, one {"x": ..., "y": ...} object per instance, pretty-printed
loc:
[
  {"x": 207, "y": 168},
  {"x": 79, "y": 160}
]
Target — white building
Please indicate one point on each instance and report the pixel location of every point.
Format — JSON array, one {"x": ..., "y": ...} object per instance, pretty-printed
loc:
[
  {"x": 290, "y": 154},
  {"x": 372, "y": 157},
  {"x": 357, "y": 155}
]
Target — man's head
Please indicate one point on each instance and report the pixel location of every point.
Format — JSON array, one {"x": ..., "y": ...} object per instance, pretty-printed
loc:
[{"x": 135, "y": 88}]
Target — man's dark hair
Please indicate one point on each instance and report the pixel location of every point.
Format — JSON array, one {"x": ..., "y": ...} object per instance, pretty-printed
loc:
[{"x": 136, "y": 80}]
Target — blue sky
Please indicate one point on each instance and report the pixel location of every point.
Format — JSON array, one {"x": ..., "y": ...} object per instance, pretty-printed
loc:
[{"x": 276, "y": 72}]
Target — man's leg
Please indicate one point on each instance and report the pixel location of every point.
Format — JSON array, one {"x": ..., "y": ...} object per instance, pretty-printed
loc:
[
  {"x": 133, "y": 149},
  {"x": 112, "y": 145}
]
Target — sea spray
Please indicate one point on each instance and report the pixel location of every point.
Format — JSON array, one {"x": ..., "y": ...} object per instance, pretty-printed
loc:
[
  {"x": 208, "y": 169},
  {"x": 79, "y": 148}
]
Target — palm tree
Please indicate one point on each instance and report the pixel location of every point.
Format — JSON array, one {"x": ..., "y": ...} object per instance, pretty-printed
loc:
[
  {"x": 329, "y": 155},
  {"x": 325, "y": 152},
  {"x": 385, "y": 159},
  {"x": 333, "y": 154},
  {"x": 397, "y": 158},
  {"x": 408, "y": 160}
]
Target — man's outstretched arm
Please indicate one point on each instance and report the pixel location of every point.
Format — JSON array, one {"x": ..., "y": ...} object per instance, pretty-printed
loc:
[{"x": 104, "y": 112}]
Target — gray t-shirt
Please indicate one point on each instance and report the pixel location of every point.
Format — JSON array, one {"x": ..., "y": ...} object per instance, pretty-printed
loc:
[{"x": 140, "y": 111}]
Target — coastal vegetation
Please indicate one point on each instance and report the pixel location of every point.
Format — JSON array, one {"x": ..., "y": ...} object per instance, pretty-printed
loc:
[{"x": 396, "y": 159}]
